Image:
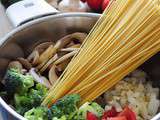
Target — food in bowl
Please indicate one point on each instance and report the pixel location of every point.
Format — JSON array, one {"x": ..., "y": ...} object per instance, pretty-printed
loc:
[{"x": 27, "y": 81}]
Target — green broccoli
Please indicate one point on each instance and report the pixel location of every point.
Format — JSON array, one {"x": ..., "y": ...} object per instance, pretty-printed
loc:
[
  {"x": 22, "y": 103},
  {"x": 65, "y": 106},
  {"x": 99, "y": 110},
  {"x": 39, "y": 113},
  {"x": 91, "y": 107},
  {"x": 38, "y": 94},
  {"x": 31, "y": 99},
  {"x": 16, "y": 82}
]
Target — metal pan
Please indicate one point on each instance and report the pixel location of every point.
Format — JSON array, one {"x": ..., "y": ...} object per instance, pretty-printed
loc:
[{"x": 21, "y": 41}]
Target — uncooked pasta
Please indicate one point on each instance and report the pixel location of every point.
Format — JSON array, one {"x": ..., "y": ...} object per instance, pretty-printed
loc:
[{"x": 126, "y": 35}]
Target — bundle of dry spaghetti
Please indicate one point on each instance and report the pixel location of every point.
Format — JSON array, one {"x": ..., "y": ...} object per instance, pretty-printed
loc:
[{"x": 127, "y": 34}]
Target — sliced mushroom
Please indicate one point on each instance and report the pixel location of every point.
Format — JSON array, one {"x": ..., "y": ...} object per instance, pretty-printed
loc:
[
  {"x": 48, "y": 53},
  {"x": 53, "y": 59},
  {"x": 70, "y": 44},
  {"x": 76, "y": 46},
  {"x": 51, "y": 50},
  {"x": 41, "y": 65},
  {"x": 15, "y": 64},
  {"x": 61, "y": 67},
  {"x": 43, "y": 46},
  {"x": 69, "y": 49},
  {"x": 68, "y": 38},
  {"x": 25, "y": 63},
  {"x": 65, "y": 57},
  {"x": 52, "y": 74},
  {"x": 33, "y": 57},
  {"x": 79, "y": 36},
  {"x": 39, "y": 79}
]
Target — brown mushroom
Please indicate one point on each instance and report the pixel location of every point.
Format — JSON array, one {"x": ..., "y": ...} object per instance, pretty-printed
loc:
[
  {"x": 43, "y": 46},
  {"x": 45, "y": 58},
  {"x": 75, "y": 46},
  {"x": 61, "y": 67},
  {"x": 15, "y": 64},
  {"x": 53, "y": 59},
  {"x": 51, "y": 51},
  {"x": 65, "y": 57},
  {"x": 69, "y": 38},
  {"x": 69, "y": 49},
  {"x": 41, "y": 65},
  {"x": 48, "y": 53},
  {"x": 33, "y": 57},
  {"x": 79, "y": 36},
  {"x": 25, "y": 63},
  {"x": 70, "y": 44},
  {"x": 52, "y": 74}
]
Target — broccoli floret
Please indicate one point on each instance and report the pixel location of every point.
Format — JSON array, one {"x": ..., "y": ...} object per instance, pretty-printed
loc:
[
  {"x": 91, "y": 107},
  {"x": 22, "y": 103},
  {"x": 29, "y": 100},
  {"x": 16, "y": 82},
  {"x": 71, "y": 116},
  {"x": 38, "y": 94},
  {"x": 99, "y": 110},
  {"x": 39, "y": 113},
  {"x": 65, "y": 106}
]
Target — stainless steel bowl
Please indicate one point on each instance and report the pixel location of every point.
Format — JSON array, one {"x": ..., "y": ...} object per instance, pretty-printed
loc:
[{"x": 21, "y": 41}]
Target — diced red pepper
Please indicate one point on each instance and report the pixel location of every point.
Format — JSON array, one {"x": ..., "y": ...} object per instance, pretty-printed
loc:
[
  {"x": 95, "y": 4},
  {"x": 105, "y": 4},
  {"x": 110, "y": 113},
  {"x": 91, "y": 116},
  {"x": 118, "y": 118},
  {"x": 128, "y": 113}
]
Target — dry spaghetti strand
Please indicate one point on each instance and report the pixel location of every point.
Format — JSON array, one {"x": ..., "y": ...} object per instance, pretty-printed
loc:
[{"x": 125, "y": 36}]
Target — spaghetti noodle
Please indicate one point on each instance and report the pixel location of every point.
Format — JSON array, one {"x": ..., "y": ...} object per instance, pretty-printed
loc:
[{"x": 124, "y": 37}]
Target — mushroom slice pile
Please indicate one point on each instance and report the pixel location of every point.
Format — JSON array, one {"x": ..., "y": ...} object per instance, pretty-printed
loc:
[{"x": 53, "y": 57}]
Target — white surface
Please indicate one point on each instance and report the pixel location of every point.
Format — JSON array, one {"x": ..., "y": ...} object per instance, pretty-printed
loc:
[
  {"x": 5, "y": 25},
  {"x": 25, "y": 10}
]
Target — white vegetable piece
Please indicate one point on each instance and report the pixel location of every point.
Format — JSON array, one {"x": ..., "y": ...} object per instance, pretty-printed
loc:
[{"x": 136, "y": 92}]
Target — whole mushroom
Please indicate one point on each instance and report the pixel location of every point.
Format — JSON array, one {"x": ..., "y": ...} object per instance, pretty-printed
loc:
[{"x": 72, "y": 6}]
